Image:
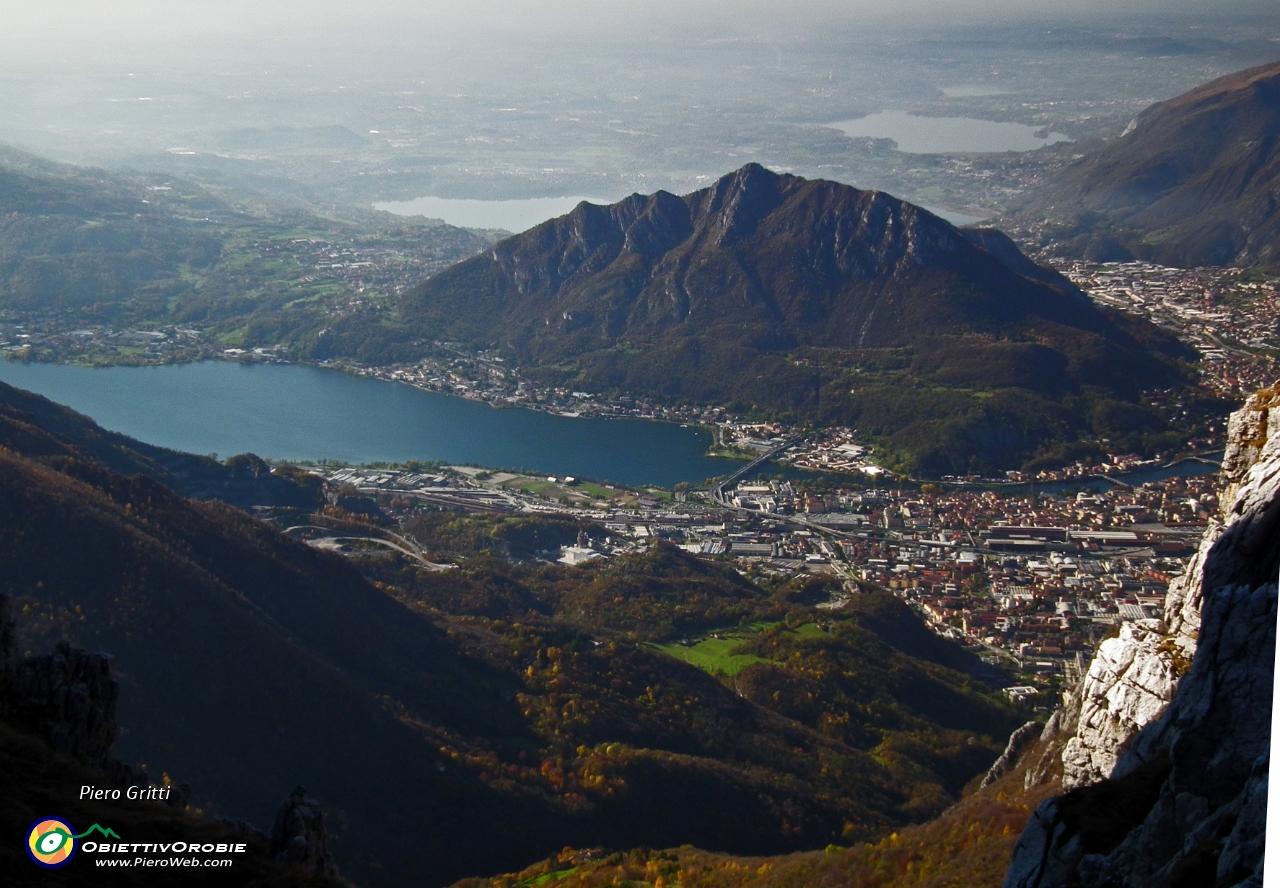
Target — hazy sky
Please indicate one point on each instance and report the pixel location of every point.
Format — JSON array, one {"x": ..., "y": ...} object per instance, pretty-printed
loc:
[{"x": 75, "y": 20}]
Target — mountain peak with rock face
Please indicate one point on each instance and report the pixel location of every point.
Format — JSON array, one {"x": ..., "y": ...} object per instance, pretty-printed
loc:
[
  {"x": 775, "y": 293},
  {"x": 756, "y": 249}
]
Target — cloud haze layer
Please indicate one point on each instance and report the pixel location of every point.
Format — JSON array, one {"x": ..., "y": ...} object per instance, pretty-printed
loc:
[{"x": 63, "y": 20}]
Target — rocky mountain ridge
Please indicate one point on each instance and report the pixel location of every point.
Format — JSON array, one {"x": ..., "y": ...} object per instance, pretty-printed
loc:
[
  {"x": 1165, "y": 758},
  {"x": 801, "y": 298},
  {"x": 770, "y": 260}
]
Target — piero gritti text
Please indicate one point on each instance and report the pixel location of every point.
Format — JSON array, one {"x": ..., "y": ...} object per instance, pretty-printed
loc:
[{"x": 137, "y": 793}]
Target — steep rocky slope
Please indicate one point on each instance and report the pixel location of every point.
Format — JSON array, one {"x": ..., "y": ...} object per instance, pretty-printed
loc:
[
  {"x": 1167, "y": 771},
  {"x": 1191, "y": 182},
  {"x": 798, "y": 297}
]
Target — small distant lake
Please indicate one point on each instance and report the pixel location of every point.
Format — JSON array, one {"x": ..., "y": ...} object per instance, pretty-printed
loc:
[
  {"x": 939, "y": 135},
  {"x": 287, "y": 411},
  {"x": 954, "y": 217},
  {"x": 512, "y": 215},
  {"x": 973, "y": 90}
]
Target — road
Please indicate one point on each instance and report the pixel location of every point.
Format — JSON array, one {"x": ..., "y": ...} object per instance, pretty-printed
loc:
[
  {"x": 333, "y": 538},
  {"x": 717, "y": 492}
]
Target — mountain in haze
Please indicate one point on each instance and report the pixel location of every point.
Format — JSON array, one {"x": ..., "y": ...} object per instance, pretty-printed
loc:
[
  {"x": 118, "y": 250},
  {"x": 443, "y": 742},
  {"x": 804, "y": 299},
  {"x": 1192, "y": 181}
]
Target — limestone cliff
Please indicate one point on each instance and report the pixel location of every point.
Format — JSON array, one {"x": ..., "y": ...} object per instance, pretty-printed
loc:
[
  {"x": 1176, "y": 795},
  {"x": 1129, "y": 683}
]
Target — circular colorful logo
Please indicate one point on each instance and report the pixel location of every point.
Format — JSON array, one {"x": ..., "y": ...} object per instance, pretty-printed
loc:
[{"x": 51, "y": 842}]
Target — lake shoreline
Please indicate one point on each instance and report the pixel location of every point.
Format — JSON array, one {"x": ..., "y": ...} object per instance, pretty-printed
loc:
[
  {"x": 690, "y": 417},
  {"x": 289, "y": 411}
]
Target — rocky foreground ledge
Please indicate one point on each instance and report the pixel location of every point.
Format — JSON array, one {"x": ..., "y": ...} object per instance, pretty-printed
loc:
[{"x": 1164, "y": 746}]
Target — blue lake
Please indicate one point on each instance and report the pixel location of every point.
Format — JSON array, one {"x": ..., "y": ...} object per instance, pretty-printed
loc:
[
  {"x": 284, "y": 411},
  {"x": 955, "y": 217},
  {"x": 521, "y": 215}
]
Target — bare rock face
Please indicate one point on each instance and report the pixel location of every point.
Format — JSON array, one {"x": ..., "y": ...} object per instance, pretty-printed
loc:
[
  {"x": 1185, "y": 802},
  {"x": 1130, "y": 682},
  {"x": 1248, "y": 431},
  {"x": 1020, "y": 741},
  {"x": 298, "y": 835}
]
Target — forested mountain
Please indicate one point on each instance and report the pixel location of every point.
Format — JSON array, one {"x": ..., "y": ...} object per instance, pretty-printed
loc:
[
  {"x": 468, "y": 722},
  {"x": 803, "y": 299},
  {"x": 1192, "y": 181},
  {"x": 771, "y": 294}
]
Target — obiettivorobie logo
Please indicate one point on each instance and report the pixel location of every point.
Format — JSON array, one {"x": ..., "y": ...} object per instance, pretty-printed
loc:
[{"x": 51, "y": 842}]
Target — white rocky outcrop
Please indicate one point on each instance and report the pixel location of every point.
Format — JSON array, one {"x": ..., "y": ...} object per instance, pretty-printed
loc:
[
  {"x": 1020, "y": 741},
  {"x": 1184, "y": 799},
  {"x": 1129, "y": 684},
  {"x": 1132, "y": 678}
]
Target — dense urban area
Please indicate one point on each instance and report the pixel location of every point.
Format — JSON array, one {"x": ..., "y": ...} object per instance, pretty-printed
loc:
[{"x": 1033, "y": 579}]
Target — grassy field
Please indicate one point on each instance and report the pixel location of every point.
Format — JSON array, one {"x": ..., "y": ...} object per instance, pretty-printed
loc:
[{"x": 715, "y": 652}]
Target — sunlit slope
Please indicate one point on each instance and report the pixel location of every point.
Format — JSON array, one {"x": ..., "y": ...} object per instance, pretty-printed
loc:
[
  {"x": 90, "y": 248},
  {"x": 1191, "y": 182},
  {"x": 969, "y": 846}
]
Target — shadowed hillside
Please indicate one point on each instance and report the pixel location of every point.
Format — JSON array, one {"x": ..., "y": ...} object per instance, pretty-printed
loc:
[
  {"x": 36, "y": 426},
  {"x": 461, "y": 725},
  {"x": 35, "y": 782}
]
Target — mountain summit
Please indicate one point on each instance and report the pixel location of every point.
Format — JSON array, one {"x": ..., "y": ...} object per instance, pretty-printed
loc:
[
  {"x": 798, "y": 297},
  {"x": 765, "y": 259}
]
